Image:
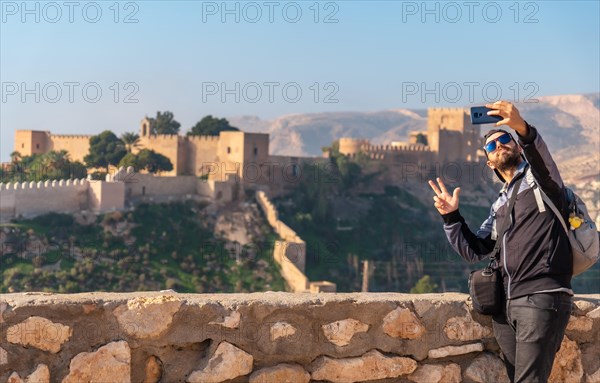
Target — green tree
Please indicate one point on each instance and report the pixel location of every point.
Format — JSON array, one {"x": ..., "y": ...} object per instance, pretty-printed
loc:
[
  {"x": 424, "y": 286},
  {"x": 164, "y": 123},
  {"x": 72, "y": 170},
  {"x": 153, "y": 162},
  {"x": 54, "y": 165},
  {"x": 16, "y": 171},
  {"x": 131, "y": 140},
  {"x": 211, "y": 126},
  {"x": 421, "y": 139},
  {"x": 130, "y": 159},
  {"x": 349, "y": 170},
  {"x": 105, "y": 149},
  {"x": 55, "y": 160}
]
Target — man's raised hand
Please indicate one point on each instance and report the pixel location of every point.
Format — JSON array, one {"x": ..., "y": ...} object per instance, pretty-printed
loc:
[
  {"x": 510, "y": 116},
  {"x": 444, "y": 202}
]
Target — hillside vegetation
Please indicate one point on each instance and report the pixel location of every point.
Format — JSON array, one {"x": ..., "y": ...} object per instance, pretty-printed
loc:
[{"x": 154, "y": 247}]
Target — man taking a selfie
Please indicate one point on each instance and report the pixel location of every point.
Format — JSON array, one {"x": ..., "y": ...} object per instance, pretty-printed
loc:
[{"x": 535, "y": 255}]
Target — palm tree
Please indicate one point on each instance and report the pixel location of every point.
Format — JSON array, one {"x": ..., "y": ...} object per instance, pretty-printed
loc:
[
  {"x": 131, "y": 140},
  {"x": 56, "y": 159},
  {"x": 15, "y": 157},
  {"x": 55, "y": 162}
]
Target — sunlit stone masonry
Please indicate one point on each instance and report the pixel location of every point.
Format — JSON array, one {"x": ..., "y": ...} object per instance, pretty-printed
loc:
[{"x": 268, "y": 338}]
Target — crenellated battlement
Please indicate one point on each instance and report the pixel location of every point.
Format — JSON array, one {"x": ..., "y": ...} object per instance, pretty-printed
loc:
[
  {"x": 395, "y": 148},
  {"x": 41, "y": 185},
  {"x": 203, "y": 138},
  {"x": 70, "y": 136},
  {"x": 171, "y": 137},
  {"x": 117, "y": 190},
  {"x": 447, "y": 110}
]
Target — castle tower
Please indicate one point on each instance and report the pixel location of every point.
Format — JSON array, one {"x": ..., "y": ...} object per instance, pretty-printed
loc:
[
  {"x": 351, "y": 146},
  {"x": 245, "y": 155},
  {"x": 28, "y": 142},
  {"x": 451, "y": 134}
]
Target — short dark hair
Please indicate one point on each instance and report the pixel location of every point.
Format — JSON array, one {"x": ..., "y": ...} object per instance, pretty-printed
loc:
[{"x": 494, "y": 131}]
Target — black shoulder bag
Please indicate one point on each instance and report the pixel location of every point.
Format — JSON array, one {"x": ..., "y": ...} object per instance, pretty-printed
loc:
[{"x": 485, "y": 286}]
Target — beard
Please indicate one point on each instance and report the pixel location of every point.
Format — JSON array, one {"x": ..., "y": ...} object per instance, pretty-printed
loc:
[{"x": 508, "y": 159}]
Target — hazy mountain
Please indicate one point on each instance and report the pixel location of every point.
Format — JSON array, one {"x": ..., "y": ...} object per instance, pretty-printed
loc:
[
  {"x": 570, "y": 125},
  {"x": 306, "y": 134}
]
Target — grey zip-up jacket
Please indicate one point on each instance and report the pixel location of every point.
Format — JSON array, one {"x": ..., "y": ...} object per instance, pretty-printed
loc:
[{"x": 535, "y": 254}]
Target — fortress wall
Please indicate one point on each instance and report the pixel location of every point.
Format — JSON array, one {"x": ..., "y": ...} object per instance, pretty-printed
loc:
[
  {"x": 407, "y": 156},
  {"x": 268, "y": 337},
  {"x": 138, "y": 185},
  {"x": 294, "y": 277},
  {"x": 472, "y": 142},
  {"x": 78, "y": 146},
  {"x": 182, "y": 158},
  {"x": 7, "y": 204},
  {"x": 201, "y": 151},
  {"x": 219, "y": 191},
  {"x": 451, "y": 146},
  {"x": 106, "y": 196},
  {"x": 29, "y": 199},
  {"x": 224, "y": 191},
  {"x": 205, "y": 189},
  {"x": 290, "y": 253}
]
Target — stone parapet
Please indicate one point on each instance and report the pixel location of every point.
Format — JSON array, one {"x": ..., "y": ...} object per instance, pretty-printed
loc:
[{"x": 265, "y": 337}]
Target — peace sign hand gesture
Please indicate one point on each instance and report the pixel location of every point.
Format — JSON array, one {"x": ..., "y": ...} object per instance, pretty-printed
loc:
[{"x": 444, "y": 202}]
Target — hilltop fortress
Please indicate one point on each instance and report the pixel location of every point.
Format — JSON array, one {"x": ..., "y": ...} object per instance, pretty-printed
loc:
[
  {"x": 450, "y": 137},
  {"x": 220, "y": 167},
  {"x": 190, "y": 155}
]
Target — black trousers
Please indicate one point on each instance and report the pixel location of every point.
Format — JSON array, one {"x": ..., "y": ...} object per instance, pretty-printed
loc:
[{"x": 530, "y": 332}]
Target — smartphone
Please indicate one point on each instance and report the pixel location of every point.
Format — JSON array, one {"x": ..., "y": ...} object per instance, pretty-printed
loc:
[{"x": 479, "y": 116}]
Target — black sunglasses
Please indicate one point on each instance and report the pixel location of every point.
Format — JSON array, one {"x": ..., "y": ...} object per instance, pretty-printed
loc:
[{"x": 503, "y": 139}]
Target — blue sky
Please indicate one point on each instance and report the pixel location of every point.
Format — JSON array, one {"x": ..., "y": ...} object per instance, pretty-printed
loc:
[{"x": 194, "y": 58}]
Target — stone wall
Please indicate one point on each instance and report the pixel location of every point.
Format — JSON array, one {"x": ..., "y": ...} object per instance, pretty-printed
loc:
[
  {"x": 201, "y": 153},
  {"x": 29, "y": 199},
  {"x": 290, "y": 253},
  {"x": 78, "y": 146},
  {"x": 33, "y": 198},
  {"x": 138, "y": 185},
  {"x": 268, "y": 337},
  {"x": 105, "y": 196}
]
